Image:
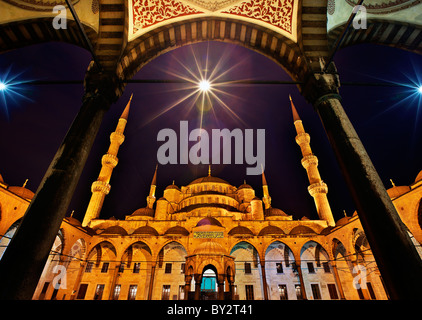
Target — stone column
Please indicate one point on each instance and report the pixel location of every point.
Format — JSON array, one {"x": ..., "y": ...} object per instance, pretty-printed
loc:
[
  {"x": 113, "y": 281},
  {"x": 264, "y": 280},
  {"x": 188, "y": 280},
  {"x": 151, "y": 282},
  {"x": 220, "y": 285},
  {"x": 397, "y": 258},
  {"x": 302, "y": 282},
  {"x": 338, "y": 281},
  {"x": 25, "y": 258},
  {"x": 78, "y": 280},
  {"x": 198, "y": 280}
]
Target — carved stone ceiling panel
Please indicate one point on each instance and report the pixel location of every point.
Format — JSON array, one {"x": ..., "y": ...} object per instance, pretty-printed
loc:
[{"x": 277, "y": 15}]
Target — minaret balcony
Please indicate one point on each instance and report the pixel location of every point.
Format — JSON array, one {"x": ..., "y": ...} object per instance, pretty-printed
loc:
[
  {"x": 117, "y": 137},
  {"x": 302, "y": 138},
  {"x": 109, "y": 160},
  {"x": 316, "y": 188},
  {"x": 309, "y": 160},
  {"x": 100, "y": 186}
]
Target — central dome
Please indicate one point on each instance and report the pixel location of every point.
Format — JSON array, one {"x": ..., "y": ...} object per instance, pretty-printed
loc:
[{"x": 209, "y": 179}]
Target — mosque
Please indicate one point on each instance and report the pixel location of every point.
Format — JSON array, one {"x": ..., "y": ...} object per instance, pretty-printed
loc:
[{"x": 210, "y": 240}]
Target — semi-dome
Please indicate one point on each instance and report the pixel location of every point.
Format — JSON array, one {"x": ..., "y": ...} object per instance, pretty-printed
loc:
[
  {"x": 210, "y": 247},
  {"x": 22, "y": 192},
  {"x": 209, "y": 221}
]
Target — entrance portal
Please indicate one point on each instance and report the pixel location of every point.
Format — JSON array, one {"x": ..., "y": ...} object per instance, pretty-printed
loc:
[{"x": 209, "y": 285}]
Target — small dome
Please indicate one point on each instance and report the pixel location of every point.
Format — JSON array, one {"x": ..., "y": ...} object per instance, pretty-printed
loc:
[
  {"x": 269, "y": 230},
  {"x": 177, "y": 230},
  {"x": 144, "y": 212},
  {"x": 172, "y": 186},
  {"x": 240, "y": 230},
  {"x": 244, "y": 186},
  {"x": 73, "y": 221},
  {"x": 419, "y": 176},
  {"x": 22, "y": 192},
  {"x": 115, "y": 230},
  {"x": 208, "y": 179},
  {"x": 274, "y": 212},
  {"x": 209, "y": 221},
  {"x": 397, "y": 191},
  {"x": 326, "y": 231},
  {"x": 210, "y": 247},
  {"x": 302, "y": 230},
  {"x": 146, "y": 230},
  {"x": 342, "y": 221}
]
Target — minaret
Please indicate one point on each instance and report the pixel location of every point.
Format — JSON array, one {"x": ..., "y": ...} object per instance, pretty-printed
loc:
[
  {"x": 151, "y": 196},
  {"x": 317, "y": 188},
  {"x": 101, "y": 187},
  {"x": 266, "y": 198}
]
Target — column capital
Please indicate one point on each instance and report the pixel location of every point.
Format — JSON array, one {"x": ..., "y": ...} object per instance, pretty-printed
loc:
[
  {"x": 102, "y": 84},
  {"x": 319, "y": 86}
]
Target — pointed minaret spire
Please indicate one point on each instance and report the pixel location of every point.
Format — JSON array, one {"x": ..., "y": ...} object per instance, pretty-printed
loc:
[
  {"x": 317, "y": 188},
  {"x": 266, "y": 198},
  {"x": 209, "y": 170},
  {"x": 294, "y": 111},
  {"x": 151, "y": 196},
  {"x": 101, "y": 187},
  {"x": 264, "y": 181},
  {"x": 125, "y": 113}
]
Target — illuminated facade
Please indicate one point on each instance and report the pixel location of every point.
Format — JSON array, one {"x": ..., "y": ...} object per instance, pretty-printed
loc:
[{"x": 210, "y": 240}]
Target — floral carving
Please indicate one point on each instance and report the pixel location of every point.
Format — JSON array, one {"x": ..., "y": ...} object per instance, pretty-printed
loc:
[
  {"x": 150, "y": 12},
  {"x": 278, "y": 13}
]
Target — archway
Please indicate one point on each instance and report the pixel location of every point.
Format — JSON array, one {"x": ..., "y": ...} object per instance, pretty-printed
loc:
[{"x": 209, "y": 288}]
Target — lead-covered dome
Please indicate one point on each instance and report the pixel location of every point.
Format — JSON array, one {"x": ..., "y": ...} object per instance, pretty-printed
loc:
[
  {"x": 208, "y": 179},
  {"x": 210, "y": 247}
]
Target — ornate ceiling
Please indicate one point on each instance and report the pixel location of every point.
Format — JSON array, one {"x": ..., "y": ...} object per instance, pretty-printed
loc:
[
  {"x": 277, "y": 15},
  {"x": 39, "y": 5}
]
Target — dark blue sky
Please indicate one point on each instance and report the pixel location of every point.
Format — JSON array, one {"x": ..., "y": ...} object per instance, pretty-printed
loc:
[{"x": 387, "y": 119}]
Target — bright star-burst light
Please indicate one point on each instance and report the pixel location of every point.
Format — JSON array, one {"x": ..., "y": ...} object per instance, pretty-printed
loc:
[
  {"x": 206, "y": 89},
  {"x": 12, "y": 90},
  {"x": 204, "y": 85},
  {"x": 420, "y": 89}
]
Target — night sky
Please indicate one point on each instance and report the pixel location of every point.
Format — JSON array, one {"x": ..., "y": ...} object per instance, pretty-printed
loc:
[{"x": 388, "y": 121}]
